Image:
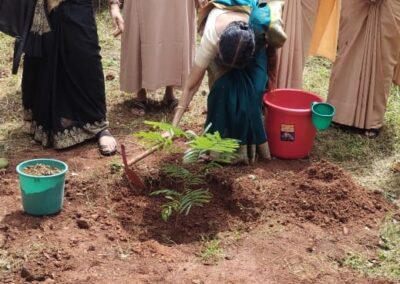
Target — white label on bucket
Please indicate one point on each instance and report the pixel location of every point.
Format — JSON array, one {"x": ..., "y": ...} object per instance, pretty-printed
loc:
[{"x": 288, "y": 132}]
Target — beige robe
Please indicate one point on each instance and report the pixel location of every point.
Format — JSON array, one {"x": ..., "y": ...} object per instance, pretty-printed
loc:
[
  {"x": 369, "y": 49},
  {"x": 312, "y": 29},
  {"x": 158, "y": 44}
]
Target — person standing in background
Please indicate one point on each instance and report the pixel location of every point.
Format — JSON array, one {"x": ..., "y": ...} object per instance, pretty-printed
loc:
[
  {"x": 312, "y": 29},
  {"x": 367, "y": 64},
  {"x": 158, "y": 48},
  {"x": 63, "y": 89}
]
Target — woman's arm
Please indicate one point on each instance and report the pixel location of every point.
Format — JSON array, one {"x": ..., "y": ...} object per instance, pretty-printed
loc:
[{"x": 191, "y": 86}]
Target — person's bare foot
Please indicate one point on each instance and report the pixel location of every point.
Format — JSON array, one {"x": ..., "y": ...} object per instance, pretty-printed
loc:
[{"x": 264, "y": 152}]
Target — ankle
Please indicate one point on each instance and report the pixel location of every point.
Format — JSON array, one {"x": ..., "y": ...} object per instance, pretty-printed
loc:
[
  {"x": 141, "y": 95},
  {"x": 169, "y": 94}
]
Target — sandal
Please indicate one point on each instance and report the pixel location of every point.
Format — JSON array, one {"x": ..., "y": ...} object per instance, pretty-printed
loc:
[
  {"x": 372, "y": 133},
  {"x": 139, "y": 108},
  {"x": 107, "y": 143},
  {"x": 170, "y": 104}
]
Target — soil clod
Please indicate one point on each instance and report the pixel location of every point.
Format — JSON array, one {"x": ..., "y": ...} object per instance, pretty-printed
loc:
[{"x": 83, "y": 224}]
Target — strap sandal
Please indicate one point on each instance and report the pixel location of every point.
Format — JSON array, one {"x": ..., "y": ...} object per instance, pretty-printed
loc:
[
  {"x": 170, "y": 104},
  {"x": 107, "y": 143},
  {"x": 372, "y": 133},
  {"x": 139, "y": 108}
]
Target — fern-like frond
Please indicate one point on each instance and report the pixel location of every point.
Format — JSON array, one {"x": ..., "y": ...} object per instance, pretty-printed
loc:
[
  {"x": 182, "y": 203},
  {"x": 197, "y": 198},
  {"x": 163, "y": 126},
  {"x": 225, "y": 149},
  {"x": 153, "y": 138},
  {"x": 188, "y": 178}
]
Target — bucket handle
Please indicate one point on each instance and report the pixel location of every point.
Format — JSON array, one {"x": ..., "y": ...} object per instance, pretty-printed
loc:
[{"x": 313, "y": 104}]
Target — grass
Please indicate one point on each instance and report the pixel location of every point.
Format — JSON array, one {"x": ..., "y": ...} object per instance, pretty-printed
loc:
[
  {"x": 370, "y": 161},
  {"x": 211, "y": 251},
  {"x": 386, "y": 262},
  {"x": 5, "y": 262}
]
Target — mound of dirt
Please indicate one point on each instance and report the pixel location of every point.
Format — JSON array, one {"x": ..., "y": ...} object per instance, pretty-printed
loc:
[{"x": 322, "y": 194}]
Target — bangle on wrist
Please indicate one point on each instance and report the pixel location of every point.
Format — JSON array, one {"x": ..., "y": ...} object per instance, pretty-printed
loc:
[{"x": 179, "y": 107}]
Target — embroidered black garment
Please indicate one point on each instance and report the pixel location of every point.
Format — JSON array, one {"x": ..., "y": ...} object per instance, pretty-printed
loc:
[{"x": 63, "y": 88}]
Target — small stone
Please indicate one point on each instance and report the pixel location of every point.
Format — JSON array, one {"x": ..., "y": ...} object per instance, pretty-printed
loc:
[
  {"x": 111, "y": 237},
  {"x": 345, "y": 231},
  {"x": 25, "y": 273},
  {"x": 91, "y": 248},
  {"x": 3, "y": 163},
  {"x": 110, "y": 77},
  {"x": 310, "y": 249},
  {"x": 95, "y": 216},
  {"x": 83, "y": 224},
  {"x": 252, "y": 177},
  {"x": 197, "y": 281},
  {"x": 229, "y": 257}
]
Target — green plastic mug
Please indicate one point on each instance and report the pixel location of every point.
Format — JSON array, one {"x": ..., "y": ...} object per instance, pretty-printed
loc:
[
  {"x": 42, "y": 195},
  {"x": 322, "y": 115}
]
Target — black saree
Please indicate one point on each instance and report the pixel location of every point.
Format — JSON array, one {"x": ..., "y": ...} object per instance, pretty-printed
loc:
[
  {"x": 63, "y": 87},
  {"x": 15, "y": 20}
]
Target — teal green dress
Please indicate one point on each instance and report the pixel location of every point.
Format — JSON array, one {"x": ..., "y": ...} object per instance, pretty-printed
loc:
[{"x": 235, "y": 99}]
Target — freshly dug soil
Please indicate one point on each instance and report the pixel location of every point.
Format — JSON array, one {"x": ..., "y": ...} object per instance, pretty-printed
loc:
[
  {"x": 41, "y": 170},
  {"x": 322, "y": 194},
  {"x": 277, "y": 222}
]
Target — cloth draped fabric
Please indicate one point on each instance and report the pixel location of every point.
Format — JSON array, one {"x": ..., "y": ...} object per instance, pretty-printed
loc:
[
  {"x": 15, "y": 20},
  {"x": 158, "y": 44},
  {"x": 312, "y": 29},
  {"x": 235, "y": 98},
  {"x": 63, "y": 87},
  {"x": 367, "y": 63}
]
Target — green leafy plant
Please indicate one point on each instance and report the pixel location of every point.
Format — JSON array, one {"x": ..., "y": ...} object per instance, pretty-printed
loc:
[
  {"x": 188, "y": 178},
  {"x": 157, "y": 137},
  {"x": 211, "y": 251},
  {"x": 221, "y": 150},
  {"x": 207, "y": 145},
  {"x": 181, "y": 203}
]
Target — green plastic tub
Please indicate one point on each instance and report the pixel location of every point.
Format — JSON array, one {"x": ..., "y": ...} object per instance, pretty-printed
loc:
[
  {"x": 42, "y": 195},
  {"x": 322, "y": 115}
]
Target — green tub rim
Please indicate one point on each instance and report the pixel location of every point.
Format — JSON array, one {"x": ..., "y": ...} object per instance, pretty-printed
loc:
[{"x": 21, "y": 165}]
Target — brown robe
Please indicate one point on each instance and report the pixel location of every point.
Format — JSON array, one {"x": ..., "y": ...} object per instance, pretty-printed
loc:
[
  {"x": 312, "y": 28},
  {"x": 158, "y": 43},
  {"x": 369, "y": 51}
]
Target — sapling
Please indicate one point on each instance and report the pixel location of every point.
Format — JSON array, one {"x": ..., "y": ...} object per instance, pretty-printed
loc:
[{"x": 222, "y": 150}]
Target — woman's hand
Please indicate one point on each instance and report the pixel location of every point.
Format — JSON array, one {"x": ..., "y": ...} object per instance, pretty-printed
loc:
[{"x": 117, "y": 19}]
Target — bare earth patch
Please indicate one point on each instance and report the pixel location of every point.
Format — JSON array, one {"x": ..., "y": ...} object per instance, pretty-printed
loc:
[{"x": 277, "y": 222}]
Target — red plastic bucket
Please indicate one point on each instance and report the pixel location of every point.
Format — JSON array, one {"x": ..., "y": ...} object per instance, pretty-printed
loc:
[{"x": 288, "y": 123}]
